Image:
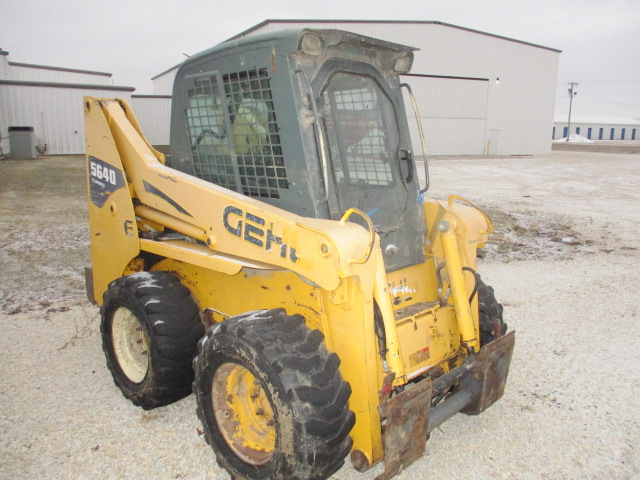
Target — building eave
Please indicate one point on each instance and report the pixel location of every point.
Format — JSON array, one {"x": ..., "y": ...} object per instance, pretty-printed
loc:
[
  {"x": 59, "y": 69},
  {"x": 81, "y": 86}
]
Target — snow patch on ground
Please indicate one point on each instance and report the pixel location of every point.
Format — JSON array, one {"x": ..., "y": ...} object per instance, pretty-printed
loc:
[{"x": 574, "y": 138}]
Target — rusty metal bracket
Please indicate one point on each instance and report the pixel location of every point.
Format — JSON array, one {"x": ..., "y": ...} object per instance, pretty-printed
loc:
[
  {"x": 490, "y": 375},
  {"x": 405, "y": 433},
  {"x": 481, "y": 381}
]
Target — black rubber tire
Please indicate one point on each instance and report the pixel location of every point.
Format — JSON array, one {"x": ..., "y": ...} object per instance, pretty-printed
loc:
[
  {"x": 302, "y": 382},
  {"x": 170, "y": 317},
  {"x": 492, "y": 325}
]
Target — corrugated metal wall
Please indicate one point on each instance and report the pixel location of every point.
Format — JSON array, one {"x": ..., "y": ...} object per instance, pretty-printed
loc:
[
  {"x": 154, "y": 116},
  {"x": 56, "y": 114}
]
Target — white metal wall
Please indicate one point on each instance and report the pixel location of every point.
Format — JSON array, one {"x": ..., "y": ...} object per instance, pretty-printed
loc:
[
  {"x": 163, "y": 84},
  {"x": 56, "y": 114},
  {"x": 520, "y": 107},
  {"x": 154, "y": 116}
]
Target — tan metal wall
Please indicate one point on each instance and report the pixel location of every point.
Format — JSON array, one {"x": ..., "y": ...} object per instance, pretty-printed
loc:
[
  {"x": 519, "y": 108},
  {"x": 450, "y": 128}
]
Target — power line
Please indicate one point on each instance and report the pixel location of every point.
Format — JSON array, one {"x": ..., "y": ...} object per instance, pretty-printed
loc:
[
  {"x": 616, "y": 80},
  {"x": 612, "y": 103}
]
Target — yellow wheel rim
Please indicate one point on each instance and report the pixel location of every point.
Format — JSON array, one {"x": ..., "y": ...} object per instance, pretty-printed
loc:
[
  {"x": 243, "y": 413},
  {"x": 130, "y": 344}
]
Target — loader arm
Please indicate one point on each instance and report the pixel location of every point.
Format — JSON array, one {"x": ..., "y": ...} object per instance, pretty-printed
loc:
[{"x": 224, "y": 230}]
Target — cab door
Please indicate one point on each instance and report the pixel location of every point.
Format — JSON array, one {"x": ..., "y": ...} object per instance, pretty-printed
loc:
[{"x": 370, "y": 160}]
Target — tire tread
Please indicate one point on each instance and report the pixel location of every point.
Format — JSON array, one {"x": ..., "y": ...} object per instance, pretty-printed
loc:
[
  {"x": 309, "y": 373},
  {"x": 490, "y": 313}
]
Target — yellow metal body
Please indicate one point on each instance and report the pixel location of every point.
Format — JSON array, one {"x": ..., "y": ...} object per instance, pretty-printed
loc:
[{"x": 238, "y": 254}]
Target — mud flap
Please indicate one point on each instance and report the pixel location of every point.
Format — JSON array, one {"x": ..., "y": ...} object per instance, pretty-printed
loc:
[
  {"x": 88, "y": 284},
  {"x": 490, "y": 374},
  {"x": 405, "y": 434}
]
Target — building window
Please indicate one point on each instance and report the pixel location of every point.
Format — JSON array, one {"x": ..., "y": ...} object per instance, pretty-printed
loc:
[
  {"x": 564, "y": 132},
  {"x": 234, "y": 135},
  {"x": 589, "y": 133},
  {"x": 622, "y": 134},
  {"x": 553, "y": 135},
  {"x": 601, "y": 134},
  {"x": 633, "y": 134},
  {"x": 577, "y": 130}
]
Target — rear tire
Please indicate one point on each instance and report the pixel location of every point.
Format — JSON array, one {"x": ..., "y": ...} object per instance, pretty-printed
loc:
[
  {"x": 492, "y": 325},
  {"x": 271, "y": 399},
  {"x": 150, "y": 330}
]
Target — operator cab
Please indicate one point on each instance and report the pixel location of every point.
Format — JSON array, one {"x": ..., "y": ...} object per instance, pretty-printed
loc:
[{"x": 310, "y": 121}]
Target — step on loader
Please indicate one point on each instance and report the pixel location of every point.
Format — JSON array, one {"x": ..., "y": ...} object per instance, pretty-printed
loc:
[{"x": 284, "y": 264}]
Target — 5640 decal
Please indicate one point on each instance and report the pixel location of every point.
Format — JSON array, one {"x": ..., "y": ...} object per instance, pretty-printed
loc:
[
  {"x": 104, "y": 179},
  {"x": 102, "y": 172}
]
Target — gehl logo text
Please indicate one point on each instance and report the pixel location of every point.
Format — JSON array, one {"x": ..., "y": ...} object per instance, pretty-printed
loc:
[{"x": 249, "y": 227}]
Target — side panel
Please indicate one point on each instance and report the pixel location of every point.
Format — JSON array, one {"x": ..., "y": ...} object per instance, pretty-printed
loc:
[{"x": 112, "y": 222}]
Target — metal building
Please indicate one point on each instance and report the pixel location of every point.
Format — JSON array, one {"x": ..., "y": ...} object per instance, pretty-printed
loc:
[
  {"x": 478, "y": 93},
  {"x": 49, "y": 101},
  {"x": 597, "y": 128}
]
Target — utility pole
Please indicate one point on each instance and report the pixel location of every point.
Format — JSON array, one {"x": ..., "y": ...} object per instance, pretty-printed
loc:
[{"x": 572, "y": 94}]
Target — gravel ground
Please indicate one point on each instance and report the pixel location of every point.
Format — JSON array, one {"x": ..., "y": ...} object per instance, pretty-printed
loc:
[{"x": 564, "y": 262}]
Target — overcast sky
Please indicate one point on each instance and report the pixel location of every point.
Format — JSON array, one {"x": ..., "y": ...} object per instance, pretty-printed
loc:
[{"x": 137, "y": 39}]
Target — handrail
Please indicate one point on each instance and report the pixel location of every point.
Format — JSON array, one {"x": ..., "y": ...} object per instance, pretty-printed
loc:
[
  {"x": 372, "y": 233},
  {"x": 423, "y": 144},
  {"x": 486, "y": 217}
]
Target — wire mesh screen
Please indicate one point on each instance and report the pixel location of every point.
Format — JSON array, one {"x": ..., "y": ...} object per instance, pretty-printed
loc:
[
  {"x": 234, "y": 134},
  {"x": 358, "y": 133},
  {"x": 207, "y": 132}
]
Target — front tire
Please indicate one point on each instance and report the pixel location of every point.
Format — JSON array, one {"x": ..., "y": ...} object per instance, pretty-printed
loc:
[
  {"x": 271, "y": 399},
  {"x": 150, "y": 330}
]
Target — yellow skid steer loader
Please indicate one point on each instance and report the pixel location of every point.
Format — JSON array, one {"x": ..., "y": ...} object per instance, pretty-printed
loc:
[{"x": 283, "y": 263}]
